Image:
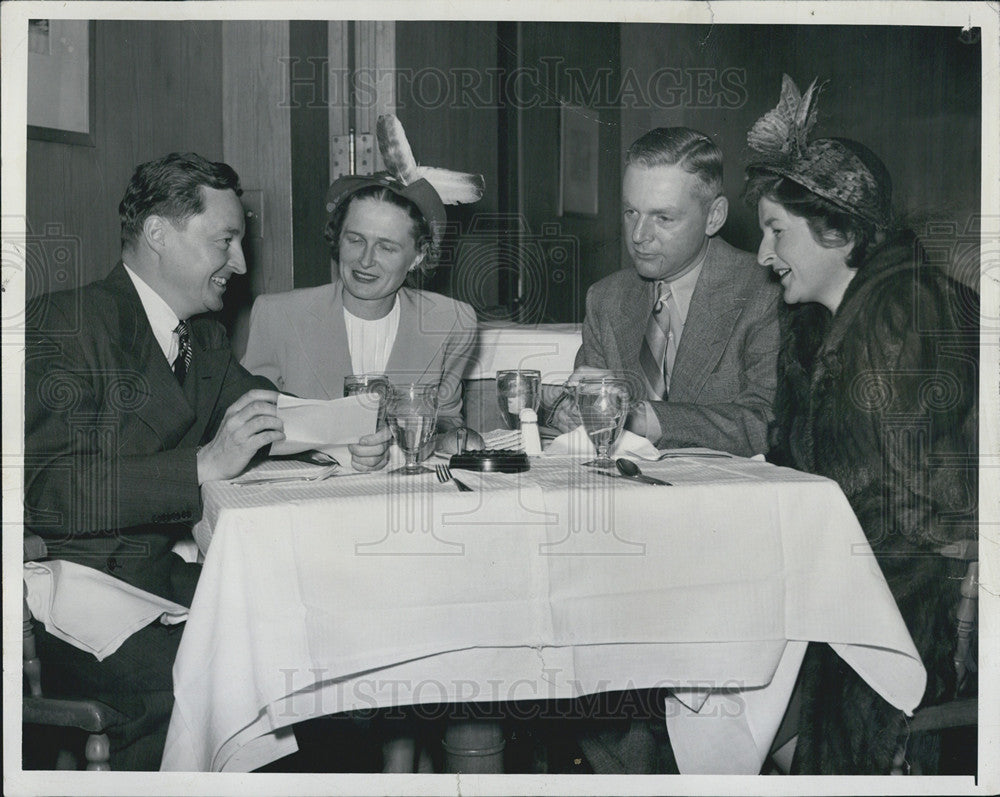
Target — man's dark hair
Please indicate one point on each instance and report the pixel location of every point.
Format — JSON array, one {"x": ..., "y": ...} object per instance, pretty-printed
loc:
[
  {"x": 692, "y": 151},
  {"x": 171, "y": 187}
]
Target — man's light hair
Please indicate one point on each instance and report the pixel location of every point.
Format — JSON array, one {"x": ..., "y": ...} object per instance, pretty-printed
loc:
[{"x": 692, "y": 151}]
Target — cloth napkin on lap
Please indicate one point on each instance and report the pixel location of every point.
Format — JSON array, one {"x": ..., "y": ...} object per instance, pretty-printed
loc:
[
  {"x": 578, "y": 443},
  {"x": 91, "y": 610}
]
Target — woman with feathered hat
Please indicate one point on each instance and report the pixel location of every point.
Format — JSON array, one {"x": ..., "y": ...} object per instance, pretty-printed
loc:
[
  {"x": 877, "y": 381},
  {"x": 382, "y": 229}
]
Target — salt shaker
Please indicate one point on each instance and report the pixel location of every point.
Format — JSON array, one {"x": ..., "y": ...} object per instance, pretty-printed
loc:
[{"x": 530, "y": 438}]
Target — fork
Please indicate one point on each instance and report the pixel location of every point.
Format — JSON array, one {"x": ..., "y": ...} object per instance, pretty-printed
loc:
[
  {"x": 444, "y": 475},
  {"x": 312, "y": 477}
]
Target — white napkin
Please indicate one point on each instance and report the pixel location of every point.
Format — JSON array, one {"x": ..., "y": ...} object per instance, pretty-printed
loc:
[
  {"x": 91, "y": 610},
  {"x": 327, "y": 426},
  {"x": 578, "y": 443}
]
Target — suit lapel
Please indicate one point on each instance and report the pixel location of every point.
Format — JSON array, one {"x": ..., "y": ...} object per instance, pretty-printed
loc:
[
  {"x": 633, "y": 313},
  {"x": 165, "y": 409},
  {"x": 203, "y": 384},
  {"x": 715, "y": 307},
  {"x": 323, "y": 327},
  {"x": 410, "y": 357}
]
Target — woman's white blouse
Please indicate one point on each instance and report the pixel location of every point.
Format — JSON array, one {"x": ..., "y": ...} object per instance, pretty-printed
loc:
[{"x": 371, "y": 342}]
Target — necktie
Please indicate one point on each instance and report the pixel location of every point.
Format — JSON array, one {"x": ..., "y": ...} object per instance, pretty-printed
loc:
[
  {"x": 657, "y": 345},
  {"x": 183, "y": 361}
]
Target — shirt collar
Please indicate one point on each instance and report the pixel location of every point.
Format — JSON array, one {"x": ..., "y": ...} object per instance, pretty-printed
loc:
[
  {"x": 682, "y": 288},
  {"x": 385, "y": 320},
  {"x": 162, "y": 319}
]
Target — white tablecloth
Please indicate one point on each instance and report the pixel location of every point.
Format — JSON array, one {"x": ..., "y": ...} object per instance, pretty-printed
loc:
[
  {"x": 549, "y": 348},
  {"x": 373, "y": 591}
]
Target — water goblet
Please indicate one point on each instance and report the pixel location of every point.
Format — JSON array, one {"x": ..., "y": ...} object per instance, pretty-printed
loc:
[
  {"x": 517, "y": 389},
  {"x": 603, "y": 404},
  {"x": 411, "y": 411},
  {"x": 375, "y": 386}
]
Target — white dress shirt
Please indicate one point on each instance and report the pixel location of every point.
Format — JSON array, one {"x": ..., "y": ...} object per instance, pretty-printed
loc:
[{"x": 162, "y": 319}]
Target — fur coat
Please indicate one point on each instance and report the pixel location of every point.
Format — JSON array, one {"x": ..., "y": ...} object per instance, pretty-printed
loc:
[{"x": 882, "y": 398}]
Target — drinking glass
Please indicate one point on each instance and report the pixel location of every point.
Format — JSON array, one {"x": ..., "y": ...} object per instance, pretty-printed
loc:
[
  {"x": 603, "y": 404},
  {"x": 411, "y": 411},
  {"x": 517, "y": 389},
  {"x": 376, "y": 385}
]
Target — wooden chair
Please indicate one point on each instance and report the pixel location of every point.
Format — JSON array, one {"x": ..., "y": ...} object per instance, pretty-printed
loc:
[
  {"x": 89, "y": 716},
  {"x": 962, "y": 711}
]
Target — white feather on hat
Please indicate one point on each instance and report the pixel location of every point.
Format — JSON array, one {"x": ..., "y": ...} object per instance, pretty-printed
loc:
[{"x": 454, "y": 188}]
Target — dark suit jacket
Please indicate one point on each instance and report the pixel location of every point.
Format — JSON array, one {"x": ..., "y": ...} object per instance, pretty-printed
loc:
[
  {"x": 298, "y": 340},
  {"x": 724, "y": 376},
  {"x": 110, "y": 436}
]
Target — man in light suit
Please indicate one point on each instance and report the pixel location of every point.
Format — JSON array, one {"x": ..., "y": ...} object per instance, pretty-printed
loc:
[
  {"x": 693, "y": 323},
  {"x": 132, "y": 401}
]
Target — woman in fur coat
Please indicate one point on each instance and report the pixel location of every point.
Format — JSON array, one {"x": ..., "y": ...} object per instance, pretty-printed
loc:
[{"x": 877, "y": 391}]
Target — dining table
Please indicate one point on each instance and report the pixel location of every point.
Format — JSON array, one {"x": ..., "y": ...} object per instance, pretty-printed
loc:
[{"x": 359, "y": 591}]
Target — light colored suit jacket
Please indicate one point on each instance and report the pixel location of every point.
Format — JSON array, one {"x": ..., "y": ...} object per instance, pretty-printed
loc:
[
  {"x": 724, "y": 376},
  {"x": 298, "y": 340}
]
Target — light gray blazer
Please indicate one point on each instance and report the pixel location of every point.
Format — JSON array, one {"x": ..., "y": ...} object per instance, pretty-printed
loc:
[
  {"x": 298, "y": 340},
  {"x": 725, "y": 374}
]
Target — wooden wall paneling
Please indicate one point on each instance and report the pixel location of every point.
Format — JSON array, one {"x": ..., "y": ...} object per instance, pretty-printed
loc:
[
  {"x": 310, "y": 136},
  {"x": 144, "y": 72},
  {"x": 449, "y": 105},
  {"x": 577, "y": 63},
  {"x": 257, "y": 143},
  {"x": 510, "y": 166},
  {"x": 375, "y": 67},
  {"x": 339, "y": 103},
  {"x": 70, "y": 242},
  {"x": 911, "y": 94}
]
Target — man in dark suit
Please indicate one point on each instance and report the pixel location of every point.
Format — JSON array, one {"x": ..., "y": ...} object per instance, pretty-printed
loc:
[
  {"x": 132, "y": 401},
  {"x": 694, "y": 322}
]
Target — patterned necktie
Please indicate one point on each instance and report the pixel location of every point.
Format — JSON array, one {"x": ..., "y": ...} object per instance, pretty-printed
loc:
[
  {"x": 658, "y": 340},
  {"x": 183, "y": 360}
]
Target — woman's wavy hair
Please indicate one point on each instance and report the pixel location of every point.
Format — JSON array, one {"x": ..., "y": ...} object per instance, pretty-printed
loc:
[
  {"x": 830, "y": 224},
  {"x": 422, "y": 237}
]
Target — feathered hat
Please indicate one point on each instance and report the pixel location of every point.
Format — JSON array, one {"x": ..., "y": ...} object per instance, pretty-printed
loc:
[
  {"x": 839, "y": 170},
  {"x": 427, "y": 187}
]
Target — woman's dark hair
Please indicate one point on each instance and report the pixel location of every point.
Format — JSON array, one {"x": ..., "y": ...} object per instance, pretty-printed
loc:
[
  {"x": 830, "y": 225},
  {"x": 171, "y": 187},
  {"x": 421, "y": 228}
]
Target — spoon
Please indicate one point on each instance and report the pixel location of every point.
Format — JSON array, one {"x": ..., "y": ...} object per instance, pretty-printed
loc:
[{"x": 630, "y": 470}]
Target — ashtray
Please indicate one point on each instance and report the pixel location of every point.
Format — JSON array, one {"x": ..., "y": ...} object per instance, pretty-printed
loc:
[{"x": 491, "y": 461}]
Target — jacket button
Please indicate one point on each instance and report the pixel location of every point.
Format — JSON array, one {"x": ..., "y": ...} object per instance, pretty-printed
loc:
[{"x": 113, "y": 564}]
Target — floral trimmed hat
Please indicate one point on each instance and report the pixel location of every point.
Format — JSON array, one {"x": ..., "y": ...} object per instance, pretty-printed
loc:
[{"x": 841, "y": 171}]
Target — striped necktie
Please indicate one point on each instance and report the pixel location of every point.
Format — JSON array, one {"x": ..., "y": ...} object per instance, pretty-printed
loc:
[
  {"x": 183, "y": 360},
  {"x": 654, "y": 359}
]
